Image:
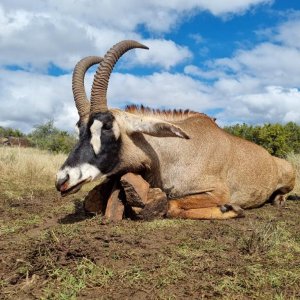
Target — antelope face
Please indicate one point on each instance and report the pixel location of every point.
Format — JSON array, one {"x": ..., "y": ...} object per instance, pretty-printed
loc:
[
  {"x": 95, "y": 155},
  {"x": 97, "y": 152}
]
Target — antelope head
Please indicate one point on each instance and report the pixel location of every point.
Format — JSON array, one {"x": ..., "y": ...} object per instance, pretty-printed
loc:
[{"x": 104, "y": 133}]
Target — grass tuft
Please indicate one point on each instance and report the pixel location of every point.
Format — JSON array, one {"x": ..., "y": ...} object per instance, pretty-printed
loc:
[
  {"x": 66, "y": 284},
  {"x": 27, "y": 171}
]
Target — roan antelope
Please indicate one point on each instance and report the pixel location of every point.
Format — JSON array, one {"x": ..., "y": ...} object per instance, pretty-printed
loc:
[{"x": 206, "y": 172}]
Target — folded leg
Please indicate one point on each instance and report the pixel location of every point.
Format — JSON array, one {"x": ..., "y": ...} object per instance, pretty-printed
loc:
[{"x": 210, "y": 204}]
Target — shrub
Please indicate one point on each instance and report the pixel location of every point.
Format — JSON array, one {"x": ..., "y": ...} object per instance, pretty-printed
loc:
[
  {"x": 278, "y": 139},
  {"x": 47, "y": 137},
  {"x": 6, "y": 132}
]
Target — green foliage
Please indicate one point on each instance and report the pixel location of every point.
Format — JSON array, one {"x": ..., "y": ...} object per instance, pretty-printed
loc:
[
  {"x": 278, "y": 139},
  {"x": 6, "y": 132},
  {"x": 47, "y": 137}
]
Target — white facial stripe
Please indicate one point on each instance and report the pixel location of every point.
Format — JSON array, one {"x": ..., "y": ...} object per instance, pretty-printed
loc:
[
  {"x": 96, "y": 136},
  {"x": 77, "y": 130},
  {"x": 116, "y": 130}
]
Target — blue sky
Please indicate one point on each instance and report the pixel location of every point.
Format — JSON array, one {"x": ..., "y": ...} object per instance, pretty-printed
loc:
[{"x": 238, "y": 61}]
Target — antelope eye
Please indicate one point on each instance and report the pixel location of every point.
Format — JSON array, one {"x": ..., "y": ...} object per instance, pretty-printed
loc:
[{"x": 106, "y": 126}]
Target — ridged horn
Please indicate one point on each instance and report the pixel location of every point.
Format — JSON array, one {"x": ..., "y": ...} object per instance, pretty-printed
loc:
[
  {"x": 101, "y": 78},
  {"x": 81, "y": 101}
]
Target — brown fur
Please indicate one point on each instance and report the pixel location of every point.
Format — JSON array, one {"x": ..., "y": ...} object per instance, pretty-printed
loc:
[
  {"x": 286, "y": 181},
  {"x": 212, "y": 165},
  {"x": 286, "y": 175},
  {"x": 186, "y": 155}
]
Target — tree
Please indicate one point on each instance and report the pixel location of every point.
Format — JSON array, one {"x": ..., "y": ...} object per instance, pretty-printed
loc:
[
  {"x": 278, "y": 139},
  {"x": 6, "y": 132},
  {"x": 47, "y": 137}
]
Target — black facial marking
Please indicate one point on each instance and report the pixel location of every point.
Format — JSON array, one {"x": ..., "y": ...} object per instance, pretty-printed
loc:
[
  {"x": 81, "y": 127},
  {"x": 110, "y": 146},
  {"x": 107, "y": 126},
  {"x": 83, "y": 152}
]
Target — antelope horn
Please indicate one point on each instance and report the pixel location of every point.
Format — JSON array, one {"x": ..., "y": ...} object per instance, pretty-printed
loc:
[
  {"x": 101, "y": 78},
  {"x": 81, "y": 101}
]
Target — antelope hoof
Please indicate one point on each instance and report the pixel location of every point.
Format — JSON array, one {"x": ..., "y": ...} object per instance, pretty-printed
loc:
[
  {"x": 279, "y": 201},
  {"x": 233, "y": 207}
]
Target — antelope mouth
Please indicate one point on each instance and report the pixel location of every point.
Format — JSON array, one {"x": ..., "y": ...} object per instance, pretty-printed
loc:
[{"x": 75, "y": 188}]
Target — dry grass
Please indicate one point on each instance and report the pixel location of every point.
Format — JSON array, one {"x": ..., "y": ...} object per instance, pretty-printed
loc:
[
  {"x": 294, "y": 159},
  {"x": 26, "y": 171}
]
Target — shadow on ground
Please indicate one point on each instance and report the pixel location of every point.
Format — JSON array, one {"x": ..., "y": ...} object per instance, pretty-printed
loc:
[{"x": 78, "y": 215}]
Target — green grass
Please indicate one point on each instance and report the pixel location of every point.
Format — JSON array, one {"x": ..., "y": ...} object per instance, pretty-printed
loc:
[
  {"x": 19, "y": 225},
  {"x": 64, "y": 284}
]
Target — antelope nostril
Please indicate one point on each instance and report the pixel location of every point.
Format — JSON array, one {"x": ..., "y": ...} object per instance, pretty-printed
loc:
[{"x": 61, "y": 181}]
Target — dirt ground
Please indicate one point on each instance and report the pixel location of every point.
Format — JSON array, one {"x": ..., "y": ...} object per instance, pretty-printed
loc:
[{"x": 51, "y": 250}]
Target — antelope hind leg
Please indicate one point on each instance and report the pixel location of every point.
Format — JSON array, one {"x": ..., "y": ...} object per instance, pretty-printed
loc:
[
  {"x": 208, "y": 213},
  {"x": 212, "y": 204}
]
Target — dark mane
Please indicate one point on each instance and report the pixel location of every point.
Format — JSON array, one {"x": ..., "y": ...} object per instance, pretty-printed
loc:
[{"x": 170, "y": 114}]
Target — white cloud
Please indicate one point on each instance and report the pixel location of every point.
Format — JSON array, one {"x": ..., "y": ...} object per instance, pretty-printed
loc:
[
  {"x": 163, "y": 53},
  {"x": 276, "y": 62},
  {"x": 127, "y": 14},
  {"x": 273, "y": 64},
  {"x": 27, "y": 99},
  {"x": 260, "y": 84},
  {"x": 198, "y": 38},
  {"x": 254, "y": 85},
  {"x": 196, "y": 71},
  {"x": 289, "y": 33},
  {"x": 34, "y": 34},
  {"x": 274, "y": 104},
  {"x": 217, "y": 7},
  {"x": 34, "y": 40},
  {"x": 159, "y": 90}
]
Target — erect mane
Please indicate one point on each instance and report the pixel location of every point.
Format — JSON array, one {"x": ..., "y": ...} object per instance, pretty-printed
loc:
[{"x": 168, "y": 115}]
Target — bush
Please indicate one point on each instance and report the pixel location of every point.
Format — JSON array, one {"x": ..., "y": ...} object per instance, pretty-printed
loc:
[
  {"x": 6, "y": 132},
  {"x": 278, "y": 139},
  {"x": 47, "y": 137}
]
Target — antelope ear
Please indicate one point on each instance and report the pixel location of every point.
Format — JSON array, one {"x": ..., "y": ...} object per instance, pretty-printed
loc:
[
  {"x": 151, "y": 126},
  {"x": 162, "y": 129}
]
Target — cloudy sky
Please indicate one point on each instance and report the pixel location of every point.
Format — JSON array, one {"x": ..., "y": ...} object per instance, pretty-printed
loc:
[{"x": 236, "y": 60}]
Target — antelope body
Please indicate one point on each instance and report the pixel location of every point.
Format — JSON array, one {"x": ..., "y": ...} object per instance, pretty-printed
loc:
[{"x": 207, "y": 172}]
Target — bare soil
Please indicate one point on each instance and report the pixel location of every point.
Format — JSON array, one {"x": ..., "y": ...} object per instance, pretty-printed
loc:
[{"x": 51, "y": 250}]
